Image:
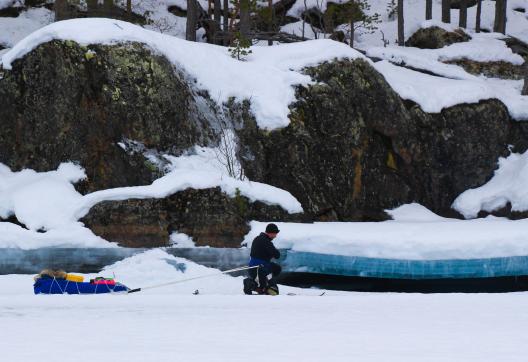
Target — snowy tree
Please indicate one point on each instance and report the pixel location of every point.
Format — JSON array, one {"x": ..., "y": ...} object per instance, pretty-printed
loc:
[
  {"x": 462, "y": 20},
  {"x": 357, "y": 13},
  {"x": 446, "y": 11},
  {"x": 240, "y": 47}
]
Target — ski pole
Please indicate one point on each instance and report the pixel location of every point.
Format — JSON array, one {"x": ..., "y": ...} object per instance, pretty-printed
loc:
[{"x": 194, "y": 278}]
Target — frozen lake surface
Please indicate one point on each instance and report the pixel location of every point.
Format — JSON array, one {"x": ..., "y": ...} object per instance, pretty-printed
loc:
[{"x": 222, "y": 324}]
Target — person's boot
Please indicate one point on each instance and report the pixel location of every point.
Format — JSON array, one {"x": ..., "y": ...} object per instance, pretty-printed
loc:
[
  {"x": 249, "y": 286},
  {"x": 273, "y": 290}
]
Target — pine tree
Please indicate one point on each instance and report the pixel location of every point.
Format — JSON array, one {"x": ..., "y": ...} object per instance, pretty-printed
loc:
[
  {"x": 357, "y": 13},
  {"x": 239, "y": 48}
]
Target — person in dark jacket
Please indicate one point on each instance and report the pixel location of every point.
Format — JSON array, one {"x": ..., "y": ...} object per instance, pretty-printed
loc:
[{"x": 262, "y": 251}]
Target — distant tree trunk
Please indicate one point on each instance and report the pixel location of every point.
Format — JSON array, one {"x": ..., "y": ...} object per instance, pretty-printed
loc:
[
  {"x": 92, "y": 6},
  {"x": 244, "y": 19},
  {"x": 462, "y": 21},
  {"x": 270, "y": 27},
  {"x": 217, "y": 18},
  {"x": 479, "y": 13},
  {"x": 108, "y": 6},
  {"x": 428, "y": 9},
  {"x": 500, "y": 16},
  {"x": 352, "y": 31},
  {"x": 225, "y": 19},
  {"x": 525, "y": 86},
  {"x": 61, "y": 10},
  {"x": 192, "y": 15},
  {"x": 209, "y": 8},
  {"x": 129, "y": 9},
  {"x": 401, "y": 33},
  {"x": 446, "y": 11}
]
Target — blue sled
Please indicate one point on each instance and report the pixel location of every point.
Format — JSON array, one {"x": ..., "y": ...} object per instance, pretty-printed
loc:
[{"x": 62, "y": 286}]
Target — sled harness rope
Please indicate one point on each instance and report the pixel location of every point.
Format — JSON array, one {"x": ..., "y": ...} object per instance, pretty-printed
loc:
[{"x": 194, "y": 278}]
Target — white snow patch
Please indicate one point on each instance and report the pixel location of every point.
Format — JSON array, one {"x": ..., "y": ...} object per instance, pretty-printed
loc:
[
  {"x": 508, "y": 184},
  {"x": 436, "y": 93},
  {"x": 181, "y": 240},
  {"x": 7, "y": 3},
  {"x": 40, "y": 200},
  {"x": 414, "y": 213},
  {"x": 73, "y": 235},
  {"x": 267, "y": 77},
  {"x": 12, "y": 30}
]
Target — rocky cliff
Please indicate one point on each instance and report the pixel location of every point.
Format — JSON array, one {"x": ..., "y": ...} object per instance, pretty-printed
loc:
[{"x": 353, "y": 147}]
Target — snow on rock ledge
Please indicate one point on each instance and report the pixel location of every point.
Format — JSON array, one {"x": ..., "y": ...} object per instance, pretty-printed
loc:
[
  {"x": 420, "y": 237},
  {"x": 267, "y": 77},
  {"x": 508, "y": 184},
  {"x": 48, "y": 200}
]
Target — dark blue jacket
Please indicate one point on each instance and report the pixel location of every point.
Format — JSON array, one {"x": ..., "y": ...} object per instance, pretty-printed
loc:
[{"x": 263, "y": 249}]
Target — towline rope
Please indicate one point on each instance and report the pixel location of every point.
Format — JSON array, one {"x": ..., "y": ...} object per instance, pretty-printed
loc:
[{"x": 194, "y": 278}]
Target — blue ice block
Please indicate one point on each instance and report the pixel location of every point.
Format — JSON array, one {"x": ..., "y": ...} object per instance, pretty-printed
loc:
[{"x": 296, "y": 261}]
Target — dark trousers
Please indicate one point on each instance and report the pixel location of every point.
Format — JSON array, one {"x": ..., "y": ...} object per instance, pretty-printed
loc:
[{"x": 262, "y": 273}]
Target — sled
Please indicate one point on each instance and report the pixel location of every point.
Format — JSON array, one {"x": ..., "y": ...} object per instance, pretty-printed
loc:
[{"x": 51, "y": 285}]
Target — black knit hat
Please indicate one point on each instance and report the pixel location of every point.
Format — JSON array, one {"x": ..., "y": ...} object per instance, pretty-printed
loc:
[{"x": 272, "y": 229}]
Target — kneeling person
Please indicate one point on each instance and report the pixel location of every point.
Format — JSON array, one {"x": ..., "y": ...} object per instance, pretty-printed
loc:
[{"x": 262, "y": 251}]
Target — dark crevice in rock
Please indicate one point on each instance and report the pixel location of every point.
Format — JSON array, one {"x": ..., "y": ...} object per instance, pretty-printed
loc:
[
  {"x": 11, "y": 12},
  {"x": 13, "y": 220}
]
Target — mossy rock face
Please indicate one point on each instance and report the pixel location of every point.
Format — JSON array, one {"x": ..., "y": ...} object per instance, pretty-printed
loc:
[
  {"x": 354, "y": 148},
  {"x": 435, "y": 38},
  {"x": 499, "y": 69},
  {"x": 65, "y": 102},
  {"x": 209, "y": 216}
]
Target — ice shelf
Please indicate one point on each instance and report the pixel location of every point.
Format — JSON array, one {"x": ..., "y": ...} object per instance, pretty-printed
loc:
[{"x": 17, "y": 261}]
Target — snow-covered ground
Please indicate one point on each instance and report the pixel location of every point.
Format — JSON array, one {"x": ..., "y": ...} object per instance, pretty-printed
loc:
[{"x": 222, "y": 324}]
